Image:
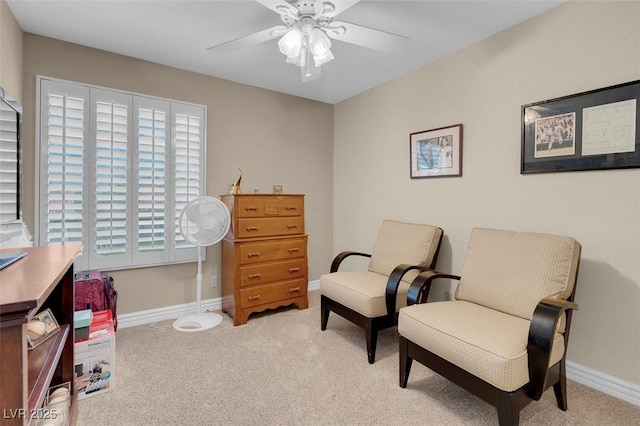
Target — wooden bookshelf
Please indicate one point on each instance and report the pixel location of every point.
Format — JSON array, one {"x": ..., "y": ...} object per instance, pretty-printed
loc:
[{"x": 43, "y": 279}]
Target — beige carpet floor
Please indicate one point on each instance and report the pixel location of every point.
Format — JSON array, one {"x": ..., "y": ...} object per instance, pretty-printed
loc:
[{"x": 280, "y": 369}]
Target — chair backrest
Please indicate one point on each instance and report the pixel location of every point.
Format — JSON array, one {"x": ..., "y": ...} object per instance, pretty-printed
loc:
[
  {"x": 512, "y": 271},
  {"x": 410, "y": 243}
]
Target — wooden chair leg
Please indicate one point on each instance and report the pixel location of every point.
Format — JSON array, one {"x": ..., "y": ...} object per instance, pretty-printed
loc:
[
  {"x": 508, "y": 410},
  {"x": 371, "y": 333},
  {"x": 405, "y": 362},
  {"x": 560, "y": 389},
  {"x": 324, "y": 314}
]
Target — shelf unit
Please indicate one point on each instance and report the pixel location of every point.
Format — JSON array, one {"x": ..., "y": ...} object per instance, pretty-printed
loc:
[{"x": 43, "y": 279}]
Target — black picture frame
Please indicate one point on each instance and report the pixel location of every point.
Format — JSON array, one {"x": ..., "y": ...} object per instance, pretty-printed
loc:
[{"x": 594, "y": 130}]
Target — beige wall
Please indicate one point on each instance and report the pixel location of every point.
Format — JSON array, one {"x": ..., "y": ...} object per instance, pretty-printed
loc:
[
  {"x": 10, "y": 53},
  {"x": 273, "y": 138},
  {"x": 577, "y": 47}
]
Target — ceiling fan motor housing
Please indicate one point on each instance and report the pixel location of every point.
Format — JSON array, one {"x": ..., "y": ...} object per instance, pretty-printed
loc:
[{"x": 311, "y": 11}]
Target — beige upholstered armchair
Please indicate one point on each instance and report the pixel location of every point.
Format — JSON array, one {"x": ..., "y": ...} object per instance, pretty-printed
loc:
[
  {"x": 371, "y": 298},
  {"x": 504, "y": 337}
]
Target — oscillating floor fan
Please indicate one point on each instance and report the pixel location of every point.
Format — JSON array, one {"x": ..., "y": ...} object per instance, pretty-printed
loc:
[{"x": 203, "y": 222}]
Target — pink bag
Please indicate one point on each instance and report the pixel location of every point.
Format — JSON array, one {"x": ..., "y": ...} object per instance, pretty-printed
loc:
[{"x": 95, "y": 290}]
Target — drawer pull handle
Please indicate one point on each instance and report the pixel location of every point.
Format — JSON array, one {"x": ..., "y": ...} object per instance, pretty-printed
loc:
[
  {"x": 296, "y": 269},
  {"x": 252, "y": 228},
  {"x": 294, "y": 250},
  {"x": 252, "y": 298},
  {"x": 251, "y": 209},
  {"x": 293, "y": 290},
  {"x": 292, "y": 226},
  {"x": 291, "y": 208},
  {"x": 254, "y": 254},
  {"x": 252, "y": 276}
]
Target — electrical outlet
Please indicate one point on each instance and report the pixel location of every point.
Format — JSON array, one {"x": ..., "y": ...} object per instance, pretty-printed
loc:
[{"x": 214, "y": 281}]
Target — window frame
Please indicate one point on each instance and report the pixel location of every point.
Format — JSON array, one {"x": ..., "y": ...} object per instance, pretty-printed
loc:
[{"x": 133, "y": 258}]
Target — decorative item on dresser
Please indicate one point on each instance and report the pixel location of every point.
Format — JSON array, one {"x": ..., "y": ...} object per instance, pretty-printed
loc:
[
  {"x": 264, "y": 256},
  {"x": 235, "y": 187}
]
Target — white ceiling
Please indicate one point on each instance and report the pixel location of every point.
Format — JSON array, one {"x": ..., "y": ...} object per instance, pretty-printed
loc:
[{"x": 178, "y": 32}]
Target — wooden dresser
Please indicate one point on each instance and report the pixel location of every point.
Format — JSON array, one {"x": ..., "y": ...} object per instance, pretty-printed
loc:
[
  {"x": 41, "y": 280},
  {"x": 264, "y": 255}
]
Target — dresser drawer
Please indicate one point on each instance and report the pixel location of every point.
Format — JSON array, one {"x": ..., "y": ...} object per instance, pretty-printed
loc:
[
  {"x": 270, "y": 206},
  {"x": 273, "y": 271},
  {"x": 274, "y": 250},
  {"x": 269, "y": 226},
  {"x": 272, "y": 293}
]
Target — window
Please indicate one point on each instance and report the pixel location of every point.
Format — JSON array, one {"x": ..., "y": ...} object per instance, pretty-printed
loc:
[
  {"x": 115, "y": 171},
  {"x": 10, "y": 112}
]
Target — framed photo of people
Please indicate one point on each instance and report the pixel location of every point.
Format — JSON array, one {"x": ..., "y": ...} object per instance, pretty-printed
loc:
[
  {"x": 436, "y": 152},
  {"x": 594, "y": 130},
  {"x": 41, "y": 327}
]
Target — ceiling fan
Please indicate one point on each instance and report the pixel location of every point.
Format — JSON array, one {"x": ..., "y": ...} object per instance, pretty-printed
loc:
[{"x": 306, "y": 35}]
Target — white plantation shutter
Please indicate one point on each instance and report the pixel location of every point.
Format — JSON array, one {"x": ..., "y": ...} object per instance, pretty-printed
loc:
[
  {"x": 62, "y": 218},
  {"x": 152, "y": 179},
  {"x": 8, "y": 163},
  {"x": 189, "y": 160},
  {"x": 116, "y": 171},
  {"x": 109, "y": 180}
]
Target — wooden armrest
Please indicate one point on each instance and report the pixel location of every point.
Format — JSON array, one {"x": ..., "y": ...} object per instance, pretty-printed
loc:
[
  {"x": 342, "y": 256},
  {"x": 420, "y": 287},
  {"x": 394, "y": 282},
  {"x": 560, "y": 303},
  {"x": 541, "y": 335}
]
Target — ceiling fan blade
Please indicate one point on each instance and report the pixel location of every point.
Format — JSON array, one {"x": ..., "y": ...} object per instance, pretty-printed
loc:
[
  {"x": 367, "y": 37},
  {"x": 280, "y": 6},
  {"x": 339, "y": 6},
  {"x": 250, "y": 40}
]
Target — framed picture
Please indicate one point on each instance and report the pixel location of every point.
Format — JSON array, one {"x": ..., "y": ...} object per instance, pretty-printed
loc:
[
  {"x": 593, "y": 130},
  {"x": 436, "y": 152},
  {"x": 41, "y": 327}
]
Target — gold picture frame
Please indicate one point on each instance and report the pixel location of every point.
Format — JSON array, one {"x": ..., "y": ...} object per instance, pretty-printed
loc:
[{"x": 37, "y": 333}]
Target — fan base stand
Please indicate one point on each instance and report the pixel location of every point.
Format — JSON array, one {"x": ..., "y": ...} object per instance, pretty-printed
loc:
[{"x": 195, "y": 322}]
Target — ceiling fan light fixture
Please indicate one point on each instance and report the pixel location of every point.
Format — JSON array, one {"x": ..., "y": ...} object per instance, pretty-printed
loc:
[
  {"x": 291, "y": 43},
  {"x": 319, "y": 43},
  {"x": 301, "y": 43},
  {"x": 300, "y": 60},
  {"x": 322, "y": 59},
  {"x": 320, "y": 46}
]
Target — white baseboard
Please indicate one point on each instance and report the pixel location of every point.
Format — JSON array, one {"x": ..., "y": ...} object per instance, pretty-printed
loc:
[
  {"x": 314, "y": 285},
  {"x": 176, "y": 311},
  {"x": 168, "y": 312},
  {"x": 605, "y": 383},
  {"x": 627, "y": 391}
]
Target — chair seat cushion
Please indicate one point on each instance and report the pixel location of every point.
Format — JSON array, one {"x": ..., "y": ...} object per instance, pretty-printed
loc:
[
  {"x": 487, "y": 343},
  {"x": 361, "y": 291}
]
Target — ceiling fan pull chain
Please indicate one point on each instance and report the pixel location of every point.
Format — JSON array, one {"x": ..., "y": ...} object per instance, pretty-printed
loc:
[{"x": 305, "y": 44}]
